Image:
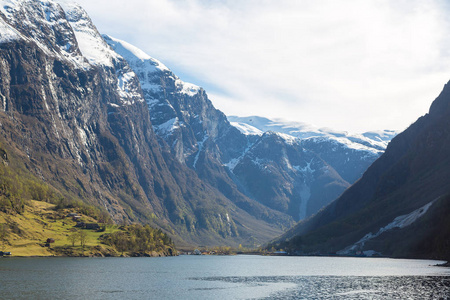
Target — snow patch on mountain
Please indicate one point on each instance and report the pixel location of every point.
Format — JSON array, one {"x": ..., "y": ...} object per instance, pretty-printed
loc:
[
  {"x": 8, "y": 33},
  {"x": 398, "y": 222},
  {"x": 135, "y": 56},
  {"x": 306, "y": 169},
  {"x": 186, "y": 87},
  {"x": 90, "y": 42},
  {"x": 148, "y": 69},
  {"x": 126, "y": 87},
  {"x": 289, "y": 139},
  {"x": 235, "y": 161},
  {"x": 168, "y": 126},
  {"x": 246, "y": 128},
  {"x": 200, "y": 148},
  {"x": 37, "y": 21},
  {"x": 261, "y": 163}
]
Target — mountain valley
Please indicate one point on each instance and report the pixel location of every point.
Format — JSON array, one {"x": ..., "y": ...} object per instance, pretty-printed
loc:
[{"x": 95, "y": 119}]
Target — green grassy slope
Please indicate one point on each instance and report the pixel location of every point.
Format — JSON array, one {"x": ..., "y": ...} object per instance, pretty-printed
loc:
[{"x": 26, "y": 234}]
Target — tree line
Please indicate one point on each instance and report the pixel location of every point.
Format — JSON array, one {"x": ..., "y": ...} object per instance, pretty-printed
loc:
[{"x": 138, "y": 239}]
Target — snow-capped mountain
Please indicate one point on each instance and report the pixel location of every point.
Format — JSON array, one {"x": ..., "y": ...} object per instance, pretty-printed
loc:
[
  {"x": 349, "y": 154},
  {"x": 285, "y": 176},
  {"x": 73, "y": 116},
  {"x": 373, "y": 139},
  {"x": 229, "y": 155}
]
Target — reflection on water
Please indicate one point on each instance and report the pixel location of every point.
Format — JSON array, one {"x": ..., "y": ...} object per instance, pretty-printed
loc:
[
  {"x": 222, "y": 277},
  {"x": 350, "y": 287}
]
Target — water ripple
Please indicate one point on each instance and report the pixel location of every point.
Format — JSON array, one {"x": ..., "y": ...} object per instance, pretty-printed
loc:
[{"x": 349, "y": 287}]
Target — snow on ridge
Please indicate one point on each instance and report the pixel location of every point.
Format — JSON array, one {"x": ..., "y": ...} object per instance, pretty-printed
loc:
[
  {"x": 26, "y": 18},
  {"x": 376, "y": 141},
  {"x": 132, "y": 54},
  {"x": 381, "y": 135},
  {"x": 354, "y": 145},
  {"x": 148, "y": 67},
  {"x": 97, "y": 51},
  {"x": 289, "y": 139},
  {"x": 246, "y": 128},
  {"x": 8, "y": 33},
  {"x": 63, "y": 29},
  {"x": 7, "y": 7},
  {"x": 91, "y": 44},
  {"x": 296, "y": 129},
  {"x": 187, "y": 88}
]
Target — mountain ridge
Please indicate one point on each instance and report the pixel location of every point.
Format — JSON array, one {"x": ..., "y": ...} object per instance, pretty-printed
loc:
[{"x": 377, "y": 140}]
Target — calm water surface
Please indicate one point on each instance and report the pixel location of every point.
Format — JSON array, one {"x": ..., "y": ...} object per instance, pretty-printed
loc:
[{"x": 222, "y": 277}]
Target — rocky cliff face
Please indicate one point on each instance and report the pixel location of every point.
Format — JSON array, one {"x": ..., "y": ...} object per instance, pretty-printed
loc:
[
  {"x": 399, "y": 206},
  {"x": 72, "y": 110}
]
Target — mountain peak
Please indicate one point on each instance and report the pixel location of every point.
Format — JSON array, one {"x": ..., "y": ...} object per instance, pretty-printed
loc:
[
  {"x": 44, "y": 23},
  {"x": 148, "y": 68},
  {"x": 92, "y": 45},
  {"x": 133, "y": 53}
]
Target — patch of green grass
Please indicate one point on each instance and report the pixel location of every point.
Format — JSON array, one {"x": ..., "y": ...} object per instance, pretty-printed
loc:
[{"x": 27, "y": 233}]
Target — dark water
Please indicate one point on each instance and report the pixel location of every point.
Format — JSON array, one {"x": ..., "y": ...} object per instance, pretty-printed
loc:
[{"x": 222, "y": 277}]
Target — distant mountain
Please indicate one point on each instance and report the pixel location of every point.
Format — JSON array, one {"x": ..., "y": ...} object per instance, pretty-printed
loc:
[
  {"x": 400, "y": 206},
  {"x": 285, "y": 176},
  {"x": 373, "y": 139},
  {"x": 346, "y": 156}
]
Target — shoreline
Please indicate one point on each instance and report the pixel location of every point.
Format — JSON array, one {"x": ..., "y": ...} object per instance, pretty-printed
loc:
[{"x": 444, "y": 264}]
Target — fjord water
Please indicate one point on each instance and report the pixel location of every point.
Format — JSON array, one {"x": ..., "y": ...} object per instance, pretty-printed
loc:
[{"x": 222, "y": 277}]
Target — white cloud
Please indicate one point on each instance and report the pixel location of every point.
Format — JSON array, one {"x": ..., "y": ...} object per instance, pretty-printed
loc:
[{"x": 350, "y": 65}]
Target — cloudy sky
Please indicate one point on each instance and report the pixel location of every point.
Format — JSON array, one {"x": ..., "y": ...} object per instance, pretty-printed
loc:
[{"x": 350, "y": 65}]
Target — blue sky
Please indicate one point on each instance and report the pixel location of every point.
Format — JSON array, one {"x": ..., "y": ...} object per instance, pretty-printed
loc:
[{"x": 350, "y": 65}]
